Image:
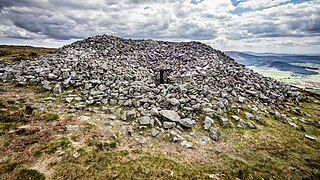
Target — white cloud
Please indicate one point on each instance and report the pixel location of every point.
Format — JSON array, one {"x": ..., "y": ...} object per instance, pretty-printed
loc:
[
  {"x": 213, "y": 22},
  {"x": 257, "y": 4}
]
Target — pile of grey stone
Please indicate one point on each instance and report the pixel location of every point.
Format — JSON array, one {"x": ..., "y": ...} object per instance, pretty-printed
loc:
[{"x": 156, "y": 82}]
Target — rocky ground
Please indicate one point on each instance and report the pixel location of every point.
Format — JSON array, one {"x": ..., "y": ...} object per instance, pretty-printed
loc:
[{"x": 97, "y": 108}]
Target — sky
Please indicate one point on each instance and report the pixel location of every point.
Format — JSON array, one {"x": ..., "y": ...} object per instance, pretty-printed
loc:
[{"x": 279, "y": 26}]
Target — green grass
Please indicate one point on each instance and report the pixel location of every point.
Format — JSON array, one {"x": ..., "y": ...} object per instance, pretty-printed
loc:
[
  {"x": 17, "y": 53},
  {"x": 29, "y": 174}
]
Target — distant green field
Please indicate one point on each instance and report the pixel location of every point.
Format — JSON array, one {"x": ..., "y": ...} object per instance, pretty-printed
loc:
[{"x": 309, "y": 82}]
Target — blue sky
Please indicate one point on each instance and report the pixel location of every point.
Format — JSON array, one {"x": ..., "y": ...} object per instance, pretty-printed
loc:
[{"x": 286, "y": 26}]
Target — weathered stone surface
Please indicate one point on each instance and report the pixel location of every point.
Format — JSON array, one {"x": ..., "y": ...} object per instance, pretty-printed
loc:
[
  {"x": 170, "y": 115},
  {"x": 154, "y": 132},
  {"x": 214, "y": 134},
  {"x": 145, "y": 120},
  {"x": 187, "y": 122},
  {"x": 84, "y": 118},
  {"x": 131, "y": 113},
  {"x": 208, "y": 121},
  {"x": 168, "y": 125},
  {"x": 57, "y": 89},
  {"x": 186, "y": 144}
]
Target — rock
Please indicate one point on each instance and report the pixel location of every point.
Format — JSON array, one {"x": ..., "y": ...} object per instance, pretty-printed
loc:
[
  {"x": 57, "y": 89},
  {"x": 225, "y": 122},
  {"x": 46, "y": 86},
  {"x": 208, "y": 121},
  {"x": 174, "y": 102},
  {"x": 69, "y": 99},
  {"x": 76, "y": 154},
  {"x": 130, "y": 131},
  {"x": 111, "y": 116},
  {"x": 168, "y": 125},
  {"x": 310, "y": 137},
  {"x": 293, "y": 124},
  {"x": 154, "y": 132},
  {"x": 242, "y": 124},
  {"x": 83, "y": 118},
  {"x": 235, "y": 117},
  {"x": 145, "y": 120},
  {"x": 124, "y": 116},
  {"x": 154, "y": 112},
  {"x": 214, "y": 134},
  {"x": 131, "y": 113},
  {"x": 251, "y": 125},
  {"x": 204, "y": 140},
  {"x": 279, "y": 116},
  {"x": 248, "y": 115},
  {"x": 186, "y": 144},
  {"x": 187, "y": 122},
  {"x": 208, "y": 110},
  {"x": 72, "y": 127},
  {"x": 241, "y": 99},
  {"x": 170, "y": 115}
]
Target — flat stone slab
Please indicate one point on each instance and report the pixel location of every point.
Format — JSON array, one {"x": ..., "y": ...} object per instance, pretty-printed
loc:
[{"x": 170, "y": 115}]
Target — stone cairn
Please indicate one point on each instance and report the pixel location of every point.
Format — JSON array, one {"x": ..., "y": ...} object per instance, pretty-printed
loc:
[{"x": 157, "y": 83}]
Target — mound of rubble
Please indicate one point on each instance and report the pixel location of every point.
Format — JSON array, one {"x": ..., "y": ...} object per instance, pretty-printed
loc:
[{"x": 156, "y": 83}]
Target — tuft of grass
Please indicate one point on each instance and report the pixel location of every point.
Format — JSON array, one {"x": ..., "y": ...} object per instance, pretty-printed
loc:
[
  {"x": 30, "y": 174},
  {"x": 51, "y": 117},
  {"x": 5, "y": 126},
  {"x": 52, "y": 146}
]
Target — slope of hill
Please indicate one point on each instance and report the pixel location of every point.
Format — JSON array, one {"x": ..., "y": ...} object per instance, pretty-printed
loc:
[{"x": 9, "y": 53}]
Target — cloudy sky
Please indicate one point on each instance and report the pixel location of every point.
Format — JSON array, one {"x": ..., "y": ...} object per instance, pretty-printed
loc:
[{"x": 287, "y": 26}]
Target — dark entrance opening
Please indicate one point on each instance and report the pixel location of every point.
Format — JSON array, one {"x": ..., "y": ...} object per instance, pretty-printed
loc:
[{"x": 161, "y": 76}]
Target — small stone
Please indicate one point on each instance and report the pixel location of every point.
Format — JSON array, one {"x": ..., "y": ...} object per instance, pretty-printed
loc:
[
  {"x": 248, "y": 115},
  {"x": 131, "y": 113},
  {"x": 214, "y": 134},
  {"x": 174, "y": 102},
  {"x": 208, "y": 121},
  {"x": 170, "y": 115},
  {"x": 130, "y": 131},
  {"x": 46, "y": 86},
  {"x": 145, "y": 120},
  {"x": 204, "y": 140},
  {"x": 69, "y": 99},
  {"x": 225, "y": 122},
  {"x": 57, "y": 89},
  {"x": 252, "y": 125},
  {"x": 154, "y": 132},
  {"x": 76, "y": 154},
  {"x": 187, "y": 122},
  {"x": 241, "y": 99},
  {"x": 154, "y": 112},
  {"x": 168, "y": 125},
  {"x": 72, "y": 127},
  {"x": 84, "y": 118},
  {"x": 187, "y": 144},
  {"x": 235, "y": 117},
  {"x": 111, "y": 116},
  {"x": 310, "y": 137}
]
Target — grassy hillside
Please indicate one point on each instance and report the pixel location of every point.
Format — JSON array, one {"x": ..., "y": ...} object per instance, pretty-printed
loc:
[{"x": 16, "y": 53}]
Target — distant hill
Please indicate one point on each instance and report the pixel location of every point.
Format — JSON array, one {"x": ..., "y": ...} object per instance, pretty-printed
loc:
[
  {"x": 11, "y": 53},
  {"x": 283, "y": 62}
]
